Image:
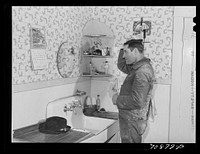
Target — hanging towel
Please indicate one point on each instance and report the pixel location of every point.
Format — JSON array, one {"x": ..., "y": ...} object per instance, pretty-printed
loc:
[{"x": 152, "y": 112}]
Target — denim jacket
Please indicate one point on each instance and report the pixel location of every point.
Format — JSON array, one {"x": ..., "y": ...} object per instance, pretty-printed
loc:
[{"x": 136, "y": 91}]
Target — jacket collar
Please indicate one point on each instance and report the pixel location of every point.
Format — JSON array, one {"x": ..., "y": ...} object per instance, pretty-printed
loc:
[{"x": 140, "y": 63}]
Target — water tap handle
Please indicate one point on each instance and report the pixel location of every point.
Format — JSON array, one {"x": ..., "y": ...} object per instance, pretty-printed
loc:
[
  {"x": 76, "y": 103},
  {"x": 80, "y": 93}
]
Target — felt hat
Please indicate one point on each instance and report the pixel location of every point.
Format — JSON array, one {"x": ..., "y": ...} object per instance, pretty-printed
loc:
[{"x": 54, "y": 125}]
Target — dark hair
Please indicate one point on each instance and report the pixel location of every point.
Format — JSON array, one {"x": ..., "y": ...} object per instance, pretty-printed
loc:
[{"x": 135, "y": 44}]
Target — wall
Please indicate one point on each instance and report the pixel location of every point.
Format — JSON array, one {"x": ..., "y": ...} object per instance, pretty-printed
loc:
[
  {"x": 120, "y": 21},
  {"x": 183, "y": 103},
  {"x": 57, "y": 22},
  {"x": 159, "y": 50},
  {"x": 61, "y": 24},
  {"x": 33, "y": 89},
  {"x": 158, "y": 130},
  {"x": 28, "y": 107},
  {"x": 172, "y": 51}
]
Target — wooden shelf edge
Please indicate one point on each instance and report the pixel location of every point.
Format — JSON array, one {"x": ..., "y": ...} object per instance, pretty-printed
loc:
[
  {"x": 97, "y": 75},
  {"x": 99, "y": 36},
  {"x": 95, "y": 56}
]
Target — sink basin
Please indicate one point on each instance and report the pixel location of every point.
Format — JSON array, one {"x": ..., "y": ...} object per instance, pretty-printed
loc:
[
  {"x": 94, "y": 125},
  {"x": 84, "y": 129},
  {"x": 76, "y": 119},
  {"x": 101, "y": 128},
  {"x": 79, "y": 122}
]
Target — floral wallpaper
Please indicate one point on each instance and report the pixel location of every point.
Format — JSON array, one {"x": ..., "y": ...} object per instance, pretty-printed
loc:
[
  {"x": 61, "y": 24},
  {"x": 159, "y": 49},
  {"x": 65, "y": 24}
]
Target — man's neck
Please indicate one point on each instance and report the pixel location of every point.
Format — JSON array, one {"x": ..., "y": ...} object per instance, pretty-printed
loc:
[{"x": 141, "y": 56}]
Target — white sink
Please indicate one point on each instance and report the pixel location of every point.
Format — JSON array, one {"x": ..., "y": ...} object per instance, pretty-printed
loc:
[
  {"x": 99, "y": 127},
  {"x": 78, "y": 121},
  {"x": 94, "y": 124}
]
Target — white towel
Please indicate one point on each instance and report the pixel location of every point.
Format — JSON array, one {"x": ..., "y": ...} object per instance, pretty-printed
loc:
[{"x": 152, "y": 112}]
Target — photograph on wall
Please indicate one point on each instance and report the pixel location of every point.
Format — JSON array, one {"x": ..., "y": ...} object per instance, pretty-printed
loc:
[
  {"x": 37, "y": 38},
  {"x": 140, "y": 25}
]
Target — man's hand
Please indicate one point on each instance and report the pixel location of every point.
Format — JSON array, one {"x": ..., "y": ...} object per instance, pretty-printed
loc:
[{"x": 114, "y": 98}]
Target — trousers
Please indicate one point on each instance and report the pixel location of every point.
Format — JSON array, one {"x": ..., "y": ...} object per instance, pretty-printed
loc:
[{"x": 131, "y": 130}]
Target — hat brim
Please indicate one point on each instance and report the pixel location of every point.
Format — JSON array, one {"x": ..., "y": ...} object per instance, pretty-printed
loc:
[{"x": 46, "y": 131}]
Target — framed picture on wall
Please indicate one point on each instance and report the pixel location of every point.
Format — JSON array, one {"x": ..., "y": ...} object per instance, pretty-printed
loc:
[
  {"x": 140, "y": 25},
  {"x": 38, "y": 45},
  {"x": 37, "y": 38}
]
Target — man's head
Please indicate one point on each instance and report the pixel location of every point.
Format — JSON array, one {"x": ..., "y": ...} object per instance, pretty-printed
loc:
[{"x": 133, "y": 51}]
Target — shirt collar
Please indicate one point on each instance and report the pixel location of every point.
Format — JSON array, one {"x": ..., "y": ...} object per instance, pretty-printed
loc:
[{"x": 140, "y": 63}]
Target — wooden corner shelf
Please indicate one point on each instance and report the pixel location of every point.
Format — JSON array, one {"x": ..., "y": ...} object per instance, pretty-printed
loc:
[
  {"x": 98, "y": 36},
  {"x": 97, "y": 56},
  {"x": 99, "y": 75}
]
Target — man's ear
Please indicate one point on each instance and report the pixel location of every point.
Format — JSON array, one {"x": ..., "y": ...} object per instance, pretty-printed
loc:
[
  {"x": 133, "y": 50},
  {"x": 136, "y": 50}
]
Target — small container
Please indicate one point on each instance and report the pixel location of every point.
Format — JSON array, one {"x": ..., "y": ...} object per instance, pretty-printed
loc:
[
  {"x": 107, "y": 51},
  {"x": 97, "y": 52},
  {"x": 91, "y": 68},
  {"x": 106, "y": 66},
  {"x": 98, "y": 102},
  {"x": 104, "y": 52}
]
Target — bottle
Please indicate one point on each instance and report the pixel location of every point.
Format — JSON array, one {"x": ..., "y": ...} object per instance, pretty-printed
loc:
[
  {"x": 91, "y": 68},
  {"x": 106, "y": 66},
  {"x": 104, "y": 52},
  {"x": 98, "y": 102},
  {"x": 107, "y": 52}
]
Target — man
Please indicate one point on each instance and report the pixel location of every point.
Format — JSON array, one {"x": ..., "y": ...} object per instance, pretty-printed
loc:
[{"x": 134, "y": 99}]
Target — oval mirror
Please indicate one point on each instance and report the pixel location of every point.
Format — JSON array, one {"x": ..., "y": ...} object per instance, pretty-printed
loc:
[{"x": 65, "y": 60}]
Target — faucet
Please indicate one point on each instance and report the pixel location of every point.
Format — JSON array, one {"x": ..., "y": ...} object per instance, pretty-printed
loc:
[
  {"x": 76, "y": 103},
  {"x": 80, "y": 93},
  {"x": 72, "y": 106}
]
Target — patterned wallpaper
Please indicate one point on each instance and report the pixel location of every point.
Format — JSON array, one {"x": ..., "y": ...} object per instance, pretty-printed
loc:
[
  {"x": 61, "y": 24},
  {"x": 120, "y": 20},
  {"x": 65, "y": 24}
]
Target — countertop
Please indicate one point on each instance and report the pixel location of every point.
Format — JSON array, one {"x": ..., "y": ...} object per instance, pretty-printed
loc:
[
  {"x": 105, "y": 114},
  {"x": 32, "y": 134}
]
